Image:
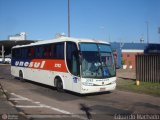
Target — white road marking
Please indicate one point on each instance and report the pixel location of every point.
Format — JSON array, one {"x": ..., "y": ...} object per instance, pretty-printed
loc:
[
  {"x": 56, "y": 116},
  {"x": 21, "y": 106},
  {"x": 41, "y": 105},
  {"x": 56, "y": 109},
  {"x": 47, "y": 116},
  {"x": 16, "y": 99},
  {"x": 19, "y": 97},
  {"x": 36, "y": 102}
]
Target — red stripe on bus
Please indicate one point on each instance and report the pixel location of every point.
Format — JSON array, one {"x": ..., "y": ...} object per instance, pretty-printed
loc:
[{"x": 47, "y": 64}]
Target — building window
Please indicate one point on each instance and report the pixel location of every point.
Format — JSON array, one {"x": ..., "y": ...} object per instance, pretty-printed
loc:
[{"x": 128, "y": 55}]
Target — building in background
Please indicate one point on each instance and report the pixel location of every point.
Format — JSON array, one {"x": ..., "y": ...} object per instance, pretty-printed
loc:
[
  {"x": 125, "y": 53},
  {"x": 13, "y": 40},
  {"x": 129, "y": 52},
  {"x": 18, "y": 37}
]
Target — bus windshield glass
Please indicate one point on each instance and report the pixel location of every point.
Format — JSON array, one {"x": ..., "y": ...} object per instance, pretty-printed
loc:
[{"x": 97, "y": 60}]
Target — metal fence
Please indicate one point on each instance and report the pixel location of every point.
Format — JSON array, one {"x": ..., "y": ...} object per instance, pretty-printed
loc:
[{"x": 148, "y": 68}]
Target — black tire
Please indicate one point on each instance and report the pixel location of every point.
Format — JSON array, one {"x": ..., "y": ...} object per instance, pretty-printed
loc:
[
  {"x": 59, "y": 85},
  {"x": 21, "y": 76}
]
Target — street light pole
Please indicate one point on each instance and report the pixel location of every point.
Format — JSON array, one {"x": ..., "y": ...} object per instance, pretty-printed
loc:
[
  {"x": 147, "y": 32},
  {"x": 3, "y": 57},
  {"x": 68, "y": 18},
  {"x": 159, "y": 32}
]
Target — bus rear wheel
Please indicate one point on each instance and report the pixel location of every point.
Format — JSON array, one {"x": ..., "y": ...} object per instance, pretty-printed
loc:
[
  {"x": 21, "y": 76},
  {"x": 59, "y": 85}
]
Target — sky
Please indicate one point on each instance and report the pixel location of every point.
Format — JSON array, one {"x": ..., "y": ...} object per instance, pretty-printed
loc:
[{"x": 108, "y": 20}]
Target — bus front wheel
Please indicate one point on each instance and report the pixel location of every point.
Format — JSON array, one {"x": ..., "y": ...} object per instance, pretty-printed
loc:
[{"x": 59, "y": 85}]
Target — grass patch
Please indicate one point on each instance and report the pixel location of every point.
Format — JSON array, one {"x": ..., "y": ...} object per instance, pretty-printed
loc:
[{"x": 145, "y": 87}]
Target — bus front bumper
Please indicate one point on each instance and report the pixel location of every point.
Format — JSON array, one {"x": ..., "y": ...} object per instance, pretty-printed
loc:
[{"x": 94, "y": 89}]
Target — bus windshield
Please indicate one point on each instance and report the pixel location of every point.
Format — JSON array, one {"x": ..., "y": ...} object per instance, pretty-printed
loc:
[{"x": 97, "y": 60}]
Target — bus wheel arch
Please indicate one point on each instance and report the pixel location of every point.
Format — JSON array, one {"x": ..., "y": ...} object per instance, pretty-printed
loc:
[{"x": 58, "y": 83}]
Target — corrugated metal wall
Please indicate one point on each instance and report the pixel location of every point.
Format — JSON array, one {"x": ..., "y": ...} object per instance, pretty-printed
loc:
[{"x": 148, "y": 68}]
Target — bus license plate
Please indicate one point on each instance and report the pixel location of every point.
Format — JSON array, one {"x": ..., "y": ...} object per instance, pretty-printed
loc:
[{"x": 102, "y": 89}]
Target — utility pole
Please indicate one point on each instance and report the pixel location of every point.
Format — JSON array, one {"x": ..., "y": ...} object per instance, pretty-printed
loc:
[
  {"x": 159, "y": 33},
  {"x": 68, "y": 18},
  {"x": 147, "y": 32},
  {"x": 2, "y": 52}
]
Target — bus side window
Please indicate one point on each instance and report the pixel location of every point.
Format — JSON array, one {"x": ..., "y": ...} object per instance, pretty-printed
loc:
[
  {"x": 47, "y": 51},
  {"x": 72, "y": 58},
  {"x": 17, "y": 53},
  {"x": 24, "y": 52},
  {"x": 38, "y": 51},
  {"x": 41, "y": 49},
  {"x": 58, "y": 50},
  {"x": 13, "y": 53},
  {"x": 31, "y": 52}
]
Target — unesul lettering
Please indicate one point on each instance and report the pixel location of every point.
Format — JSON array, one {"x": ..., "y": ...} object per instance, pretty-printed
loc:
[{"x": 30, "y": 64}]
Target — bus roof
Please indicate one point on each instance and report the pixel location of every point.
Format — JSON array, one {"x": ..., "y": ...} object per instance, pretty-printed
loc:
[{"x": 61, "y": 39}]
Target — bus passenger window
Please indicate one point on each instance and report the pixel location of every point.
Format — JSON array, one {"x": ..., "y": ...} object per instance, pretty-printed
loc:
[
  {"x": 31, "y": 53},
  {"x": 16, "y": 53},
  {"x": 37, "y": 53},
  {"x": 24, "y": 52},
  {"x": 47, "y": 52},
  {"x": 58, "y": 50}
]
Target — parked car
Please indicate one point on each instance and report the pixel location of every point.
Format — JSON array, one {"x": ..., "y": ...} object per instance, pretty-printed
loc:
[{"x": 6, "y": 60}]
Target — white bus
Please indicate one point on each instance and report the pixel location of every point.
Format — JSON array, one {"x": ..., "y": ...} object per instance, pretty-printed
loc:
[{"x": 78, "y": 65}]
